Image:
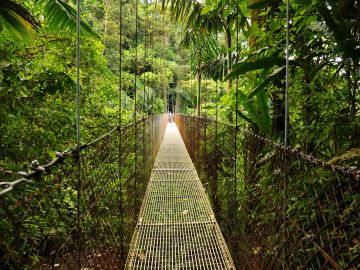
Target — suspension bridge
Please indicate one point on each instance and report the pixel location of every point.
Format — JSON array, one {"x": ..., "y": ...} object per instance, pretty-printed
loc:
[
  {"x": 198, "y": 194},
  {"x": 176, "y": 228},
  {"x": 142, "y": 202}
]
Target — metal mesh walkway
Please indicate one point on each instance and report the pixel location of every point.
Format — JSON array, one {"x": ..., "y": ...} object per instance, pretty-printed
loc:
[{"x": 177, "y": 229}]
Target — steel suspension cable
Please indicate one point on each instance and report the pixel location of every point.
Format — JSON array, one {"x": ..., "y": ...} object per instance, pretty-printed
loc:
[
  {"x": 145, "y": 111},
  {"x": 287, "y": 76},
  {"x": 236, "y": 107},
  {"x": 120, "y": 132},
  {"x": 136, "y": 61},
  {"x": 194, "y": 86},
  {"x": 154, "y": 76},
  {"x": 152, "y": 61},
  {"x": 144, "y": 97},
  {"x": 135, "y": 104},
  {"x": 206, "y": 90},
  {"x": 164, "y": 62},
  {"x": 146, "y": 54},
  {"x": 78, "y": 134},
  {"x": 199, "y": 84},
  {"x": 216, "y": 93},
  {"x": 216, "y": 106},
  {"x": 286, "y": 120}
]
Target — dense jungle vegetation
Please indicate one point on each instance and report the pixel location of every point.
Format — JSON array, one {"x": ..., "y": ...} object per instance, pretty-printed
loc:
[
  {"x": 191, "y": 57},
  {"x": 38, "y": 69}
]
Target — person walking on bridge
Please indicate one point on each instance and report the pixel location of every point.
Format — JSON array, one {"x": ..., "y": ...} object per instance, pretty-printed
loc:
[{"x": 170, "y": 117}]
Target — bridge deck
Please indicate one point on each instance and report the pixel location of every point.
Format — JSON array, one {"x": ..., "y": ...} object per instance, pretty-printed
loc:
[{"x": 177, "y": 228}]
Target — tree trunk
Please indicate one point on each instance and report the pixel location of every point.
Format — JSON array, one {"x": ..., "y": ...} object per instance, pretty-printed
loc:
[
  {"x": 106, "y": 18},
  {"x": 254, "y": 15}
]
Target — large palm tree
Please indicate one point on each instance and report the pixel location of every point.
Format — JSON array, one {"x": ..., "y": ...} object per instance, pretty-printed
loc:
[
  {"x": 203, "y": 21},
  {"x": 19, "y": 22}
]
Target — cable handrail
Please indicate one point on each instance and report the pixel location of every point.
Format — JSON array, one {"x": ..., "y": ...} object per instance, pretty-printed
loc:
[
  {"x": 36, "y": 170},
  {"x": 316, "y": 213},
  {"x": 345, "y": 170}
]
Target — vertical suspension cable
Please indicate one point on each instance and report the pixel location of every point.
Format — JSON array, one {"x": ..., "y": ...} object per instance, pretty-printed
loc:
[
  {"x": 78, "y": 160},
  {"x": 199, "y": 84},
  {"x": 194, "y": 86},
  {"x": 144, "y": 168},
  {"x": 145, "y": 60},
  {"x": 151, "y": 38},
  {"x": 164, "y": 60},
  {"x": 286, "y": 128},
  {"x": 287, "y": 76},
  {"x": 135, "y": 106},
  {"x": 216, "y": 101},
  {"x": 216, "y": 94},
  {"x": 206, "y": 90},
  {"x": 136, "y": 61},
  {"x": 189, "y": 85},
  {"x": 154, "y": 78},
  {"x": 147, "y": 41},
  {"x": 120, "y": 134},
  {"x": 236, "y": 108}
]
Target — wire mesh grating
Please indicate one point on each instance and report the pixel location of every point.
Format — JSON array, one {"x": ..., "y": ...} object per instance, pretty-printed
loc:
[
  {"x": 174, "y": 165},
  {"x": 252, "y": 182},
  {"x": 106, "y": 202},
  {"x": 179, "y": 246},
  {"x": 176, "y": 228},
  {"x": 173, "y": 174}
]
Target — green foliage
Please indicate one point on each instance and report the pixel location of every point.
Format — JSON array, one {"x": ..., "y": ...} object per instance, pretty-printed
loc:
[
  {"x": 16, "y": 20},
  {"x": 37, "y": 95},
  {"x": 37, "y": 78},
  {"x": 62, "y": 16},
  {"x": 276, "y": 75},
  {"x": 261, "y": 63},
  {"x": 259, "y": 4}
]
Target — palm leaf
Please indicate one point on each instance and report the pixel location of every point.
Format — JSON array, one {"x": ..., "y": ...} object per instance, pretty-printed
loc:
[
  {"x": 264, "y": 112},
  {"x": 264, "y": 62},
  {"x": 274, "y": 76},
  {"x": 342, "y": 33},
  {"x": 243, "y": 116},
  {"x": 62, "y": 16},
  {"x": 260, "y": 4},
  {"x": 17, "y": 20},
  {"x": 179, "y": 8},
  {"x": 252, "y": 112},
  {"x": 184, "y": 95},
  {"x": 213, "y": 58},
  {"x": 317, "y": 69},
  {"x": 257, "y": 111}
]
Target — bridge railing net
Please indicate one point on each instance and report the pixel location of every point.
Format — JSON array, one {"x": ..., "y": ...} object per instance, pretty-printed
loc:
[
  {"x": 278, "y": 208},
  {"x": 58, "y": 222}
]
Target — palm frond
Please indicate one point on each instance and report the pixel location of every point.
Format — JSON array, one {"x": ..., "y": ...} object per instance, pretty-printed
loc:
[
  {"x": 264, "y": 111},
  {"x": 341, "y": 31},
  {"x": 256, "y": 111},
  {"x": 214, "y": 59},
  {"x": 62, "y": 16},
  {"x": 277, "y": 74},
  {"x": 17, "y": 20},
  {"x": 265, "y": 62},
  {"x": 179, "y": 8}
]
